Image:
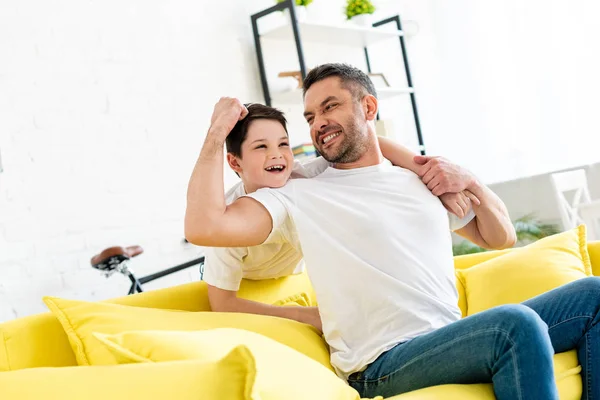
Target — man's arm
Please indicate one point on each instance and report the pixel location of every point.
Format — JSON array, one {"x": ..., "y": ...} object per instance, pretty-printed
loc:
[
  {"x": 208, "y": 220},
  {"x": 491, "y": 228},
  {"x": 399, "y": 155},
  {"x": 227, "y": 301}
]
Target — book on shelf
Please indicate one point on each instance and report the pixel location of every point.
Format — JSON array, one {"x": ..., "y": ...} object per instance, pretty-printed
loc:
[
  {"x": 303, "y": 148},
  {"x": 305, "y": 156}
]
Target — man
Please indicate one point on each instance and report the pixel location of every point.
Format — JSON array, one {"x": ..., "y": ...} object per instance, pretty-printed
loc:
[
  {"x": 377, "y": 245},
  {"x": 258, "y": 151}
]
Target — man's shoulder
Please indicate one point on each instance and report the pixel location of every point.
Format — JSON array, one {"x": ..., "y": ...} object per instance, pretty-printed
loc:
[{"x": 310, "y": 168}]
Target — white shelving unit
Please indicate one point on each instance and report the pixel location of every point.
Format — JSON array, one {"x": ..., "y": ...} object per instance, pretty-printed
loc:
[
  {"x": 300, "y": 32},
  {"x": 295, "y": 96},
  {"x": 342, "y": 35}
]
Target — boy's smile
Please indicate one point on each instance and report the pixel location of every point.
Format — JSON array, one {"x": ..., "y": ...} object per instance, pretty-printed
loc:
[{"x": 266, "y": 157}]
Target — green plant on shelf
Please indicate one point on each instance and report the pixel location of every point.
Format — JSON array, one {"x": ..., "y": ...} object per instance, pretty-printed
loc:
[
  {"x": 528, "y": 228},
  {"x": 303, "y": 3},
  {"x": 358, "y": 7}
]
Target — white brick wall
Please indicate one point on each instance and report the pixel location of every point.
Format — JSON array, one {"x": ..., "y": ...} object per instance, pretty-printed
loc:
[{"x": 103, "y": 108}]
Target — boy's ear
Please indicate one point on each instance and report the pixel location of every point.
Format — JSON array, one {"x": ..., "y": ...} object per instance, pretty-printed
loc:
[{"x": 233, "y": 163}]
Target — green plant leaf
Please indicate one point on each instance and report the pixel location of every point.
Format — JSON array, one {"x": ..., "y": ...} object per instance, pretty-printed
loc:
[
  {"x": 358, "y": 7},
  {"x": 528, "y": 228}
]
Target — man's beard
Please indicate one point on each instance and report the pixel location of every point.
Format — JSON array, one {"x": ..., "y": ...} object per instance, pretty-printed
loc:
[{"x": 351, "y": 148}]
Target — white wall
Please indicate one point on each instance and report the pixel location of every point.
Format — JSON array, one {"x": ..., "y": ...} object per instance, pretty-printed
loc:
[
  {"x": 103, "y": 109},
  {"x": 536, "y": 194},
  {"x": 104, "y": 105},
  {"x": 507, "y": 88},
  {"x": 518, "y": 85}
]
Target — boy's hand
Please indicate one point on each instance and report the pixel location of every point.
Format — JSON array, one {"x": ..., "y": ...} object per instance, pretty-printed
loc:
[
  {"x": 228, "y": 111},
  {"x": 459, "y": 204},
  {"x": 311, "y": 316},
  {"x": 441, "y": 176}
]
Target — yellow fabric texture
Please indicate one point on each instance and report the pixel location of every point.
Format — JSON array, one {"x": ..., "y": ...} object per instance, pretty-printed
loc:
[
  {"x": 271, "y": 291},
  {"x": 594, "y": 252},
  {"x": 80, "y": 318},
  {"x": 527, "y": 272},
  {"x": 282, "y": 372},
  {"x": 40, "y": 340},
  {"x": 462, "y": 296},
  {"x": 297, "y": 300},
  {"x": 470, "y": 260},
  {"x": 230, "y": 377},
  {"x": 566, "y": 373}
]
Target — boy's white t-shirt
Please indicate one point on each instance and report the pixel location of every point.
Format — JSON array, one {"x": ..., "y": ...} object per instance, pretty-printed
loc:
[
  {"x": 225, "y": 267},
  {"x": 379, "y": 251}
]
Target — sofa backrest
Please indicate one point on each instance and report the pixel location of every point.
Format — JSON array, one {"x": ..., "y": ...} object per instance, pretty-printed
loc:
[{"x": 40, "y": 341}]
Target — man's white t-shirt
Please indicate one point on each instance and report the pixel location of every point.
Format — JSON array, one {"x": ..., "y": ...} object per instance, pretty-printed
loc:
[
  {"x": 379, "y": 253},
  {"x": 225, "y": 267}
]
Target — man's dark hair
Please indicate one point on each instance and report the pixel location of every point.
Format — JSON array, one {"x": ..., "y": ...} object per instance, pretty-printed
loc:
[
  {"x": 240, "y": 130},
  {"x": 353, "y": 79}
]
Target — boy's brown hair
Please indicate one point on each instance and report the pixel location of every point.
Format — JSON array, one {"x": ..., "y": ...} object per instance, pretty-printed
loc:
[{"x": 240, "y": 130}]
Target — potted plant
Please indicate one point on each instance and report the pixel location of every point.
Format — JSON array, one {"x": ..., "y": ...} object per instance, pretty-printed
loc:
[
  {"x": 300, "y": 9},
  {"x": 359, "y": 11}
]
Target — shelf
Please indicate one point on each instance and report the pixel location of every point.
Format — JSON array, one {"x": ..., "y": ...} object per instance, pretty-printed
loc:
[
  {"x": 343, "y": 34},
  {"x": 295, "y": 96}
]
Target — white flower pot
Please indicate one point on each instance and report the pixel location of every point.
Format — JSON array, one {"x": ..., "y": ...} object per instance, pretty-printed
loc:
[{"x": 364, "y": 20}]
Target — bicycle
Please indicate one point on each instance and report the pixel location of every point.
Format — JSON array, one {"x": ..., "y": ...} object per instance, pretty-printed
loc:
[{"x": 117, "y": 259}]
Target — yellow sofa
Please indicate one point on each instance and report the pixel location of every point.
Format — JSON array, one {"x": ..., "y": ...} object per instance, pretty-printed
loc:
[{"x": 40, "y": 340}]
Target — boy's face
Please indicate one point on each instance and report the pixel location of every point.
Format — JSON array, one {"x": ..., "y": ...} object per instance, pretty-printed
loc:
[{"x": 267, "y": 158}]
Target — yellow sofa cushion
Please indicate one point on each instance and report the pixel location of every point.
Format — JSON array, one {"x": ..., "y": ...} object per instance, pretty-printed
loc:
[
  {"x": 566, "y": 372},
  {"x": 231, "y": 376},
  {"x": 527, "y": 272},
  {"x": 80, "y": 318},
  {"x": 594, "y": 251},
  {"x": 40, "y": 341},
  {"x": 297, "y": 300},
  {"x": 282, "y": 372},
  {"x": 271, "y": 291}
]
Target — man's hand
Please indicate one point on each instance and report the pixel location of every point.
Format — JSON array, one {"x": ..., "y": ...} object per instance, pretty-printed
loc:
[
  {"x": 228, "y": 111},
  {"x": 459, "y": 204},
  {"x": 441, "y": 176}
]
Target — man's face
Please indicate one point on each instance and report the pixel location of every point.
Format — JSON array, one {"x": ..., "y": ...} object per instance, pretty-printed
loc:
[
  {"x": 338, "y": 126},
  {"x": 267, "y": 159}
]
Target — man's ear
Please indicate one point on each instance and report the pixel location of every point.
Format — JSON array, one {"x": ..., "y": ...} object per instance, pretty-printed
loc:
[
  {"x": 233, "y": 163},
  {"x": 371, "y": 106}
]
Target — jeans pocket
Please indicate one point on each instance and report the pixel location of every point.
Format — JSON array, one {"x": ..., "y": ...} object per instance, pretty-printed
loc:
[
  {"x": 369, "y": 388},
  {"x": 356, "y": 376}
]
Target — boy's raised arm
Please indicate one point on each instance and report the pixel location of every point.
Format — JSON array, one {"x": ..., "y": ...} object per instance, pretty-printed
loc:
[{"x": 209, "y": 221}]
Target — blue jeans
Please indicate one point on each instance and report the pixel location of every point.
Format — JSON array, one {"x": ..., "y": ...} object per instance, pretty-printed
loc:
[{"x": 511, "y": 346}]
